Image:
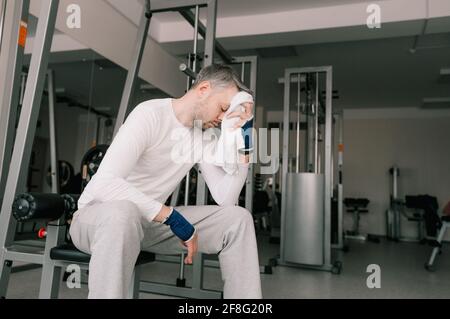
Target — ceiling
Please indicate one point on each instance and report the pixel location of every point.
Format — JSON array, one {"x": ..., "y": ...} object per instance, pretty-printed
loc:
[
  {"x": 368, "y": 74},
  {"x": 372, "y": 68},
  {"x": 233, "y": 8}
]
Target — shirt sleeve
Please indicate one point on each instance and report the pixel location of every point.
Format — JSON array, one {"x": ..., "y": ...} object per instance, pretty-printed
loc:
[
  {"x": 109, "y": 183},
  {"x": 224, "y": 188}
]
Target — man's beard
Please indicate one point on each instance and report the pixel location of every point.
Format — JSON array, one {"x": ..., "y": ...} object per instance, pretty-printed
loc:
[{"x": 198, "y": 118}]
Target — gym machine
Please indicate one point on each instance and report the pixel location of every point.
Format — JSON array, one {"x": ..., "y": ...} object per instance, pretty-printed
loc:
[
  {"x": 307, "y": 186},
  {"x": 337, "y": 203},
  {"x": 437, "y": 244},
  {"x": 397, "y": 210},
  {"x": 26, "y": 128}
]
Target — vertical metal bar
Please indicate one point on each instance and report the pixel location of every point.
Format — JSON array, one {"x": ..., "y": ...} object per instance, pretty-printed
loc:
[
  {"x": 181, "y": 275},
  {"x": 248, "y": 175},
  {"x": 50, "y": 274},
  {"x": 316, "y": 127},
  {"x": 23, "y": 81},
  {"x": 210, "y": 32},
  {"x": 201, "y": 190},
  {"x": 186, "y": 193},
  {"x": 394, "y": 182},
  {"x": 197, "y": 17},
  {"x": 11, "y": 62},
  {"x": 340, "y": 182},
  {"x": 27, "y": 125},
  {"x": 2, "y": 19},
  {"x": 297, "y": 153},
  {"x": 51, "y": 110},
  {"x": 174, "y": 198},
  {"x": 309, "y": 145},
  {"x": 253, "y": 87},
  {"x": 287, "y": 82},
  {"x": 328, "y": 186},
  {"x": 133, "y": 71},
  {"x": 197, "y": 270}
]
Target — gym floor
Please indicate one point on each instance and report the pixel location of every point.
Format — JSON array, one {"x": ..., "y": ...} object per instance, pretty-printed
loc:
[{"x": 402, "y": 275}]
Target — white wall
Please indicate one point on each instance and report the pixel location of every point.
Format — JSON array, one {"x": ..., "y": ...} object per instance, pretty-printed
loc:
[
  {"x": 415, "y": 140},
  {"x": 418, "y": 142}
]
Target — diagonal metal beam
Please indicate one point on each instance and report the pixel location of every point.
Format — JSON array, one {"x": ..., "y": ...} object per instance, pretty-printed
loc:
[{"x": 133, "y": 71}]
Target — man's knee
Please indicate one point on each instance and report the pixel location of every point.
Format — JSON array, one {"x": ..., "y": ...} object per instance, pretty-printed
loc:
[
  {"x": 239, "y": 215},
  {"x": 124, "y": 216}
]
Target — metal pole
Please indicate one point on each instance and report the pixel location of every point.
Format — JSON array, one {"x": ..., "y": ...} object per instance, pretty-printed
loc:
[
  {"x": 341, "y": 182},
  {"x": 134, "y": 67},
  {"x": 210, "y": 32},
  {"x": 26, "y": 128},
  {"x": 395, "y": 182},
  {"x": 2, "y": 19},
  {"x": 286, "y": 110},
  {"x": 50, "y": 278},
  {"x": 23, "y": 81},
  {"x": 309, "y": 145},
  {"x": 316, "y": 127},
  {"x": 297, "y": 153},
  {"x": 328, "y": 186},
  {"x": 243, "y": 72},
  {"x": 51, "y": 110},
  {"x": 11, "y": 62},
  {"x": 197, "y": 13}
]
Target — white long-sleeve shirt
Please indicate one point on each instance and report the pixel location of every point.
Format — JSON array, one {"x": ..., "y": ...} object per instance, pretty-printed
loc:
[{"x": 142, "y": 166}]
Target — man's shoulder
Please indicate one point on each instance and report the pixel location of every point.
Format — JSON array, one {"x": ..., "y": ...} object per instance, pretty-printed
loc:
[{"x": 152, "y": 106}]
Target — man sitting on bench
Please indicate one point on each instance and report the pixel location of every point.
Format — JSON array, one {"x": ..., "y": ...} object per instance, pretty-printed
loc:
[{"x": 121, "y": 210}]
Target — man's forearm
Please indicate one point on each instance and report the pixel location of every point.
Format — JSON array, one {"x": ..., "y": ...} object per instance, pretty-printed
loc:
[
  {"x": 244, "y": 159},
  {"x": 162, "y": 215}
]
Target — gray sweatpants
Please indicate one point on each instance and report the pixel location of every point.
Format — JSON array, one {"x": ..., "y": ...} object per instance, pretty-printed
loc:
[{"x": 115, "y": 232}]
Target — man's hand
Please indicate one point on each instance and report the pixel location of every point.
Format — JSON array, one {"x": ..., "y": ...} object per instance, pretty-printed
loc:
[
  {"x": 192, "y": 247},
  {"x": 244, "y": 114},
  {"x": 182, "y": 229}
]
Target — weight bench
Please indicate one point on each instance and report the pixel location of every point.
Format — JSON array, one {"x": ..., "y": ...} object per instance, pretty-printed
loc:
[
  {"x": 58, "y": 209},
  {"x": 437, "y": 244},
  {"x": 357, "y": 206},
  {"x": 67, "y": 254}
]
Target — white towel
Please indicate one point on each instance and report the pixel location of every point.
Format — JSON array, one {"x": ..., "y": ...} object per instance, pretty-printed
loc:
[{"x": 231, "y": 140}]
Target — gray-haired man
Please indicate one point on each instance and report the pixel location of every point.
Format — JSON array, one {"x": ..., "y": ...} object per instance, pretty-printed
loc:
[{"x": 121, "y": 211}]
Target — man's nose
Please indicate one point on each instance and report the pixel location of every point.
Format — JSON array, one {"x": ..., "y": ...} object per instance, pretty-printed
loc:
[{"x": 221, "y": 116}]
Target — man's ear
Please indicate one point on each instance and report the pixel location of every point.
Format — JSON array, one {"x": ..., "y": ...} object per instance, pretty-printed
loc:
[{"x": 203, "y": 88}]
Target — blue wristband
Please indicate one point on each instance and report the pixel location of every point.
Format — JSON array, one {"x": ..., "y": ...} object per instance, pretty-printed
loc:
[
  {"x": 180, "y": 226},
  {"x": 247, "y": 131}
]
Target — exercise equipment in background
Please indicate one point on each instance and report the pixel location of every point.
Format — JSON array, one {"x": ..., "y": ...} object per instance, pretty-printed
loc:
[
  {"x": 437, "y": 244},
  {"x": 91, "y": 162},
  {"x": 358, "y": 206},
  {"x": 420, "y": 209}
]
